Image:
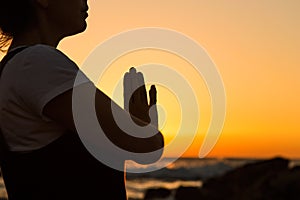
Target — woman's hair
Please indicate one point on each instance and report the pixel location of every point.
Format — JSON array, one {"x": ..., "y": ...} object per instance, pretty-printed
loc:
[{"x": 15, "y": 16}]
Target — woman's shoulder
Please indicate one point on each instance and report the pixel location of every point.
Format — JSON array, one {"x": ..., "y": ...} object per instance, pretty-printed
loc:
[
  {"x": 40, "y": 57},
  {"x": 43, "y": 50},
  {"x": 41, "y": 53}
]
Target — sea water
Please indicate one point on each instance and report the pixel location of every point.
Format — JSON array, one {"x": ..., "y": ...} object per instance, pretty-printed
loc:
[{"x": 176, "y": 173}]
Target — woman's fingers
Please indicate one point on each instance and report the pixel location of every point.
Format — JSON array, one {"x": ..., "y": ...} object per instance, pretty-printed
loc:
[
  {"x": 142, "y": 93},
  {"x": 134, "y": 83},
  {"x": 137, "y": 88},
  {"x": 129, "y": 87},
  {"x": 127, "y": 90}
]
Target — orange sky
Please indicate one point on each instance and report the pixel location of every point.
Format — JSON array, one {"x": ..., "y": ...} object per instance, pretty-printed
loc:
[{"x": 255, "y": 45}]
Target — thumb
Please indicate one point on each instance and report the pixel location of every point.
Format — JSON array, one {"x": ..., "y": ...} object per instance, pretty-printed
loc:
[
  {"x": 153, "y": 95},
  {"x": 153, "y": 108}
]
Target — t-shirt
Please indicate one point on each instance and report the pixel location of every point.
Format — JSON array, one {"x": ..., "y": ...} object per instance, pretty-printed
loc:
[{"x": 28, "y": 82}]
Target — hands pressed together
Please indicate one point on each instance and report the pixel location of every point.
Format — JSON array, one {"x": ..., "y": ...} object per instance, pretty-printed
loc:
[{"x": 136, "y": 100}]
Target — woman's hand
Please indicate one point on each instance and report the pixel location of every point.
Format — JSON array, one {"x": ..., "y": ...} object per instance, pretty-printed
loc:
[{"x": 136, "y": 101}]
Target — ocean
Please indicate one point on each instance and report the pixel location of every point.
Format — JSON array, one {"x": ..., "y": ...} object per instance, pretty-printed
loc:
[
  {"x": 171, "y": 174},
  {"x": 176, "y": 173},
  {"x": 181, "y": 172}
]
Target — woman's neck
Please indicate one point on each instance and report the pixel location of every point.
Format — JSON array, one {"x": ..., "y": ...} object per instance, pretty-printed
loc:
[{"x": 33, "y": 37}]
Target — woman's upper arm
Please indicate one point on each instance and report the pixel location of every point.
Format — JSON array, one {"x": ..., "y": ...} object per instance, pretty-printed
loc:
[{"x": 60, "y": 109}]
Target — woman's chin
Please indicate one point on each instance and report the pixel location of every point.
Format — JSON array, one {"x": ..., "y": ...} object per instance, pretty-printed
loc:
[{"x": 82, "y": 28}]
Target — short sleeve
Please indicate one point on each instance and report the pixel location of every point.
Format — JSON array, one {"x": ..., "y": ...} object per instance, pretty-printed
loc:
[{"x": 46, "y": 73}]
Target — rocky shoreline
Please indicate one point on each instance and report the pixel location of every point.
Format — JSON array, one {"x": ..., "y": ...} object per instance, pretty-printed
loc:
[{"x": 273, "y": 179}]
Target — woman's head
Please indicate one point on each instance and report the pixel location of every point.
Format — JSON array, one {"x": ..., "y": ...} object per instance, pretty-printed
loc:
[
  {"x": 59, "y": 17},
  {"x": 15, "y": 16}
]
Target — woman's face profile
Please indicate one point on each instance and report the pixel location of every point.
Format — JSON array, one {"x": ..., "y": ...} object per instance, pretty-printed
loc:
[{"x": 67, "y": 16}]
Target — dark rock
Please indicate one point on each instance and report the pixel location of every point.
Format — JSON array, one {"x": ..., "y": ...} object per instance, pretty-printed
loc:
[
  {"x": 245, "y": 182},
  {"x": 285, "y": 185},
  {"x": 157, "y": 193},
  {"x": 188, "y": 193},
  {"x": 296, "y": 168},
  {"x": 263, "y": 180}
]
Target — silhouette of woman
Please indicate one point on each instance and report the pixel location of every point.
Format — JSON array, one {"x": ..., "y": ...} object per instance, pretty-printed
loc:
[{"x": 43, "y": 157}]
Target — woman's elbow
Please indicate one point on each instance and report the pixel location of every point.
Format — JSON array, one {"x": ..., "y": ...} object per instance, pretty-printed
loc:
[
  {"x": 154, "y": 153},
  {"x": 159, "y": 143}
]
